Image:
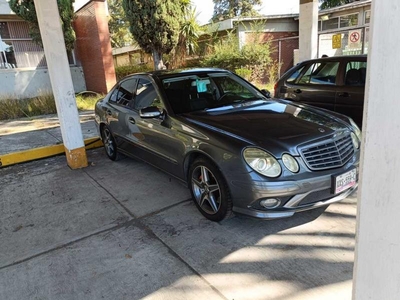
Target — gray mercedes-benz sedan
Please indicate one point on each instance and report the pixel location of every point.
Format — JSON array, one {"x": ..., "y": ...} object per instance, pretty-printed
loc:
[{"x": 237, "y": 149}]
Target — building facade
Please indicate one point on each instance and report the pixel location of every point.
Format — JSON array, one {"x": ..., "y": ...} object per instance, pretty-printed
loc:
[
  {"x": 23, "y": 69},
  {"x": 342, "y": 30}
]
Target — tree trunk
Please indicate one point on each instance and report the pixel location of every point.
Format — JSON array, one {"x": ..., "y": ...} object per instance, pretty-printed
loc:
[{"x": 158, "y": 62}]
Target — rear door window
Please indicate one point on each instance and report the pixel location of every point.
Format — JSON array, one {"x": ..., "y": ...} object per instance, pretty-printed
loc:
[
  {"x": 356, "y": 72},
  {"x": 292, "y": 78},
  {"x": 320, "y": 73},
  {"x": 124, "y": 94}
]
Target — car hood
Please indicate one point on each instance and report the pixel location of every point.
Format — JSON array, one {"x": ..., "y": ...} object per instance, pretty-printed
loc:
[{"x": 277, "y": 126}]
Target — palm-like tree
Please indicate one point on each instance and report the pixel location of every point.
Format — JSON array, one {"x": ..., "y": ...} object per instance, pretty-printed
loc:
[{"x": 188, "y": 36}]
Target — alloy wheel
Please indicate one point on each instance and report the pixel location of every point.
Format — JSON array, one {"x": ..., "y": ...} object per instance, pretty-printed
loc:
[
  {"x": 206, "y": 190},
  {"x": 108, "y": 142}
]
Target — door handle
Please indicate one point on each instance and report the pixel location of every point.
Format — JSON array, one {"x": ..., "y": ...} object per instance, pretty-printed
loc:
[
  {"x": 345, "y": 94},
  {"x": 298, "y": 91},
  {"x": 131, "y": 120}
]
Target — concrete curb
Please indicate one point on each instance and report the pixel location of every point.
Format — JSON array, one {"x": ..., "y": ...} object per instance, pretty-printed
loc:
[{"x": 43, "y": 152}]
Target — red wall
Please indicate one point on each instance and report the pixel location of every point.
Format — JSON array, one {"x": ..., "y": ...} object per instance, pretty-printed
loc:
[
  {"x": 93, "y": 47},
  {"x": 289, "y": 41}
]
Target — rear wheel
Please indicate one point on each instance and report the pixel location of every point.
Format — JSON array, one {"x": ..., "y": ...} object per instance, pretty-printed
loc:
[
  {"x": 209, "y": 190},
  {"x": 109, "y": 144}
]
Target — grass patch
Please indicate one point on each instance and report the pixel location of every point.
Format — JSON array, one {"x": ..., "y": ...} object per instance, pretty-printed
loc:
[
  {"x": 87, "y": 102},
  {"x": 11, "y": 108}
]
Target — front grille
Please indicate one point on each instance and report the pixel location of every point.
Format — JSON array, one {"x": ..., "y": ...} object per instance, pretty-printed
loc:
[{"x": 329, "y": 154}]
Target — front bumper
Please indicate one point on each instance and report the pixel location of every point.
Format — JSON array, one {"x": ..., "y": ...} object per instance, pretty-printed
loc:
[
  {"x": 300, "y": 195},
  {"x": 289, "y": 210}
]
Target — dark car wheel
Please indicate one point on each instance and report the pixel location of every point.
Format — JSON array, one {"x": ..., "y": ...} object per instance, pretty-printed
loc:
[
  {"x": 109, "y": 144},
  {"x": 209, "y": 190}
]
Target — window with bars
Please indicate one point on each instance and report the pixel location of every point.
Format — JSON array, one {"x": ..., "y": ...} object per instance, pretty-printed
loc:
[{"x": 17, "y": 50}]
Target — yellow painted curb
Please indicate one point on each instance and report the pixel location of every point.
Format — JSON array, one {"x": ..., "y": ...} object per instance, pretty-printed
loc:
[{"x": 43, "y": 152}]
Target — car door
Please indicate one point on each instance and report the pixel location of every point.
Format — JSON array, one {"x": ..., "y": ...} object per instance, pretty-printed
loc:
[
  {"x": 117, "y": 110},
  {"x": 316, "y": 85},
  {"x": 154, "y": 139},
  {"x": 350, "y": 93}
]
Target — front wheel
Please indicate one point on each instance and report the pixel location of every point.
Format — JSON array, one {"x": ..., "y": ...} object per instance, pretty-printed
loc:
[{"x": 209, "y": 190}]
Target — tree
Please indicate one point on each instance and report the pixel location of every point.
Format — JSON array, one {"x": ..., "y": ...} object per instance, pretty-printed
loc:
[
  {"x": 189, "y": 33},
  {"x": 118, "y": 25},
  {"x": 155, "y": 26},
  {"x": 333, "y": 3},
  {"x": 26, "y": 10},
  {"x": 226, "y": 9}
]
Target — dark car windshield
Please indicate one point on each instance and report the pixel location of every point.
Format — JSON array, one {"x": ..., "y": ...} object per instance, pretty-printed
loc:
[{"x": 193, "y": 93}]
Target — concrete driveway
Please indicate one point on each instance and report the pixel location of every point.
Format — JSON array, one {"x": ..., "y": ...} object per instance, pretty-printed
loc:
[{"x": 124, "y": 230}]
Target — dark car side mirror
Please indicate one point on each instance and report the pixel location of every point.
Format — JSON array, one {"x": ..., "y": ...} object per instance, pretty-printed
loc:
[
  {"x": 150, "y": 112},
  {"x": 266, "y": 93}
]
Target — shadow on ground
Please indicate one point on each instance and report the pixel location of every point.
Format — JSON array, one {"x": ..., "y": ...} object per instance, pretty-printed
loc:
[{"x": 125, "y": 230}]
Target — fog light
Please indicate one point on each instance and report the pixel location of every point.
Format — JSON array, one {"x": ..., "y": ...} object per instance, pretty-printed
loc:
[{"x": 270, "y": 203}]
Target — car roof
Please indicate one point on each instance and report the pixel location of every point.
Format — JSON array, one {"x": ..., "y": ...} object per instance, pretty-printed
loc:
[
  {"x": 162, "y": 74},
  {"x": 336, "y": 58}
]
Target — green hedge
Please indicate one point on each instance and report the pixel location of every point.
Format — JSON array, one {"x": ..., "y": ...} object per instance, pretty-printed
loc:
[{"x": 123, "y": 71}]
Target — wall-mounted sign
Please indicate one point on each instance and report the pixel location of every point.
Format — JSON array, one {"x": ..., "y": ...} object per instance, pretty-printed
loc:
[
  {"x": 337, "y": 41},
  {"x": 354, "y": 38}
]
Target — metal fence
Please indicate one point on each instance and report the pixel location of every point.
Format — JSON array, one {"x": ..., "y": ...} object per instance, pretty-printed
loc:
[{"x": 284, "y": 53}]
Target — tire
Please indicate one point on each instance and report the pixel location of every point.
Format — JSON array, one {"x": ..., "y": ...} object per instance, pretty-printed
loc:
[
  {"x": 211, "y": 196},
  {"x": 110, "y": 146}
]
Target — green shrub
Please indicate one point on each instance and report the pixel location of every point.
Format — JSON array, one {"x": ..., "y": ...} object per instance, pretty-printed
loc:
[
  {"x": 254, "y": 57},
  {"x": 245, "y": 73},
  {"x": 123, "y": 71}
]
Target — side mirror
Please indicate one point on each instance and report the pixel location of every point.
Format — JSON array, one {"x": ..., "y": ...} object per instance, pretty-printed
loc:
[
  {"x": 266, "y": 93},
  {"x": 150, "y": 112}
]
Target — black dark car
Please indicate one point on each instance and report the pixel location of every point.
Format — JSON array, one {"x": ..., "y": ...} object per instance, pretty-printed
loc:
[
  {"x": 237, "y": 150},
  {"x": 334, "y": 83}
]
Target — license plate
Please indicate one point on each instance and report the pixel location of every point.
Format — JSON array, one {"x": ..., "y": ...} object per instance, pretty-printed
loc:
[{"x": 344, "y": 181}]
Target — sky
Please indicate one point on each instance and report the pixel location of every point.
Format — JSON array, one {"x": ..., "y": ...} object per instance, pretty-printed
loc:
[{"x": 269, "y": 7}]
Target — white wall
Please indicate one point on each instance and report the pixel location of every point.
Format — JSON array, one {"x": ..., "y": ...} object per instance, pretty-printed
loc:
[
  {"x": 377, "y": 260},
  {"x": 270, "y": 25},
  {"x": 20, "y": 83}
]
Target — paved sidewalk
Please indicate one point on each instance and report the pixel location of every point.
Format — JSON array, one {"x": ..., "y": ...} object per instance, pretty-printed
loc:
[
  {"x": 24, "y": 134},
  {"x": 125, "y": 230}
]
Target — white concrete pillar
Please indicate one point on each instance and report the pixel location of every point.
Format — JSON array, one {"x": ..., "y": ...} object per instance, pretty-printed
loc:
[
  {"x": 61, "y": 82},
  {"x": 377, "y": 259},
  {"x": 241, "y": 34},
  {"x": 308, "y": 29}
]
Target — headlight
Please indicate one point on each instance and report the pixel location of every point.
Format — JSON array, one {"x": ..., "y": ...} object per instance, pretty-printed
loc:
[
  {"x": 355, "y": 140},
  {"x": 290, "y": 163},
  {"x": 356, "y": 130},
  {"x": 262, "y": 162}
]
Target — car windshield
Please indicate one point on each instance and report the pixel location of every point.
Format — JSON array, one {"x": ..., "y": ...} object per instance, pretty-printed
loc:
[{"x": 194, "y": 92}]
